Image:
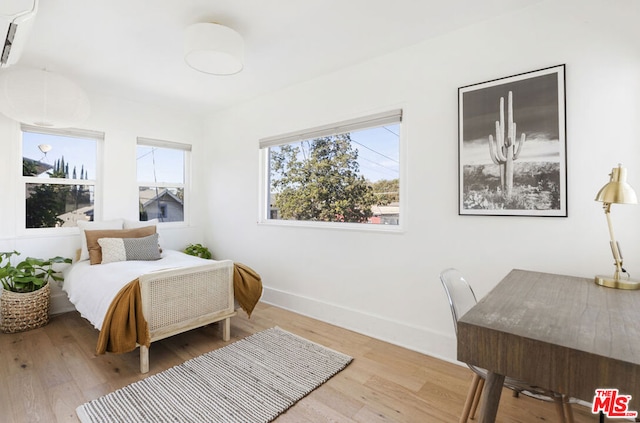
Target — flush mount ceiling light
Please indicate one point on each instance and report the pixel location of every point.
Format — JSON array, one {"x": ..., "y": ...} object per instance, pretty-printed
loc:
[
  {"x": 42, "y": 98},
  {"x": 213, "y": 48}
]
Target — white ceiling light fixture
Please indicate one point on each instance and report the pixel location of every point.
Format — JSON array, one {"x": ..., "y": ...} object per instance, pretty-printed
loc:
[
  {"x": 213, "y": 49},
  {"x": 42, "y": 98}
]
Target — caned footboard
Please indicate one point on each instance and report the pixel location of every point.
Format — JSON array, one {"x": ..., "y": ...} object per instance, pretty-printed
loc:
[{"x": 178, "y": 300}]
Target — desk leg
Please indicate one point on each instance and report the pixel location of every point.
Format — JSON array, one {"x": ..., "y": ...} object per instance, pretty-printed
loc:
[{"x": 491, "y": 397}]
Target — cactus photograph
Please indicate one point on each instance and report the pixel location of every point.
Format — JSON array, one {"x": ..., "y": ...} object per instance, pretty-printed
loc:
[{"x": 512, "y": 145}]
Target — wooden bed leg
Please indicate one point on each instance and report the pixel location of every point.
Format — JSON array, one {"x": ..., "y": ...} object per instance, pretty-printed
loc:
[
  {"x": 144, "y": 359},
  {"x": 226, "y": 329}
]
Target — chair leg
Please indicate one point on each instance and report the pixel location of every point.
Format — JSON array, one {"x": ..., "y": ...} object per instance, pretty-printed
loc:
[
  {"x": 568, "y": 411},
  {"x": 559, "y": 403},
  {"x": 470, "y": 395},
  {"x": 476, "y": 399}
]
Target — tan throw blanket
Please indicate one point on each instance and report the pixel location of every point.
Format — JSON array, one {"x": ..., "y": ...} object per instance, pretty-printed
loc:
[
  {"x": 124, "y": 326},
  {"x": 247, "y": 287}
]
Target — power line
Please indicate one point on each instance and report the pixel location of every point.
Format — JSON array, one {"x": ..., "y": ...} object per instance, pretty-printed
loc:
[
  {"x": 377, "y": 152},
  {"x": 378, "y": 164},
  {"x": 146, "y": 154},
  {"x": 397, "y": 135}
]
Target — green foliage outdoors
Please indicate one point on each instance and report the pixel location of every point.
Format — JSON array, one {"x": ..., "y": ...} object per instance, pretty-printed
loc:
[
  {"x": 30, "y": 274},
  {"x": 198, "y": 250},
  {"x": 386, "y": 191},
  {"x": 29, "y": 167},
  {"x": 319, "y": 180},
  {"x": 48, "y": 201}
]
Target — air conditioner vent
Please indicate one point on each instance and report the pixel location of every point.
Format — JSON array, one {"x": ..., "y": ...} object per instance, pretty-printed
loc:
[
  {"x": 16, "y": 20},
  {"x": 8, "y": 42}
]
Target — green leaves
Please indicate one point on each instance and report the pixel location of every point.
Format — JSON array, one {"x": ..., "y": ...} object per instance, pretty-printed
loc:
[
  {"x": 198, "y": 250},
  {"x": 320, "y": 180},
  {"x": 30, "y": 274}
]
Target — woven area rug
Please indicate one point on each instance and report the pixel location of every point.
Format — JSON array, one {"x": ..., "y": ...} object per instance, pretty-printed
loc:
[{"x": 252, "y": 380}]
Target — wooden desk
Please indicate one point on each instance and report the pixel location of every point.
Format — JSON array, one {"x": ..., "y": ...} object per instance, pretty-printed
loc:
[{"x": 563, "y": 333}]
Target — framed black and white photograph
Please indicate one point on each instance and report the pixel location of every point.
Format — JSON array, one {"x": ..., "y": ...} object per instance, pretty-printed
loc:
[{"x": 512, "y": 145}]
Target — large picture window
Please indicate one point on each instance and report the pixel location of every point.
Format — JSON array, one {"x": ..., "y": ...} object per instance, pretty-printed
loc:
[
  {"x": 59, "y": 169},
  {"x": 346, "y": 173},
  {"x": 162, "y": 179}
]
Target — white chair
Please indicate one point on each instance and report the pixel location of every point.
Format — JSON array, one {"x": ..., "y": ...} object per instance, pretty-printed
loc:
[{"x": 461, "y": 299}]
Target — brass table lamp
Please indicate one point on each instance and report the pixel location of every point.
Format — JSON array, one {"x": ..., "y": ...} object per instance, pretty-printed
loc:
[{"x": 617, "y": 191}]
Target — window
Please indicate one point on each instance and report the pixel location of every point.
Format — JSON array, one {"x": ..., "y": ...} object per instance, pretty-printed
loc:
[
  {"x": 347, "y": 173},
  {"x": 59, "y": 169},
  {"x": 162, "y": 179}
]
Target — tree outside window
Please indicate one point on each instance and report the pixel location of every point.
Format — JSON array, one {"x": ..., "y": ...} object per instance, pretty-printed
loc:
[{"x": 349, "y": 177}]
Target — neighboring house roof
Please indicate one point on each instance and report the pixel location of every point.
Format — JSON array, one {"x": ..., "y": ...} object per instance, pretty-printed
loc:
[
  {"x": 148, "y": 196},
  {"x": 70, "y": 218},
  {"x": 40, "y": 166}
]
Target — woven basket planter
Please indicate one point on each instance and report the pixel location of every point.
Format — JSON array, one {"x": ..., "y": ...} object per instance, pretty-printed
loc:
[{"x": 22, "y": 311}]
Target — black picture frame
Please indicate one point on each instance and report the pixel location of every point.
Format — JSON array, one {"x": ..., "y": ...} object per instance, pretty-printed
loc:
[{"x": 500, "y": 173}]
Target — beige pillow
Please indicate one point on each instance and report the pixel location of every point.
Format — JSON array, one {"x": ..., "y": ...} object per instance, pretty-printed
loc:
[
  {"x": 101, "y": 224},
  {"x": 95, "y": 252}
]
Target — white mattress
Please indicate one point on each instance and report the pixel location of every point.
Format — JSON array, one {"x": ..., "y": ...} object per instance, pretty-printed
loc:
[{"x": 92, "y": 288}]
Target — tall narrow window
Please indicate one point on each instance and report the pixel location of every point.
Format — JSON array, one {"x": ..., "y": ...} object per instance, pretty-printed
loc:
[
  {"x": 59, "y": 169},
  {"x": 348, "y": 172},
  {"x": 162, "y": 179}
]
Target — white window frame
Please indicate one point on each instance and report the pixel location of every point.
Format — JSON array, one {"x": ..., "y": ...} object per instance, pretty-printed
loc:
[
  {"x": 186, "y": 185},
  {"x": 24, "y": 180},
  {"x": 364, "y": 122}
]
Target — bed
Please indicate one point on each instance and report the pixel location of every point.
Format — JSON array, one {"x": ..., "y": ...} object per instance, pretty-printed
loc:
[{"x": 136, "y": 302}]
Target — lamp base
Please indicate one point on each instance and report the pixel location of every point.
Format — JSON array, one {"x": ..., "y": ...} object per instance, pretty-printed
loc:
[{"x": 612, "y": 282}]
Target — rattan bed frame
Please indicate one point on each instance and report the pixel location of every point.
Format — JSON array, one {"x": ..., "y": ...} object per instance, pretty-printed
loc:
[{"x": 178, "y": 300}]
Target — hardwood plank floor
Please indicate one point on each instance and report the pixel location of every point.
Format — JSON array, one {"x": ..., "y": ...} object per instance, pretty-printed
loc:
[{"x": 47, "y": 372}]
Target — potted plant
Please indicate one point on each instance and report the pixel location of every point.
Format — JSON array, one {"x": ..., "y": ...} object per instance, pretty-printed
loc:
[
  {"x": 198, "y": 250},
  {"x": 24, "y": 303}
]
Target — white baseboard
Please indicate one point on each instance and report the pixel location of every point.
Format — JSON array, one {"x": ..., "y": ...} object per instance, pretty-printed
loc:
[{"x": 410, "y": 336}]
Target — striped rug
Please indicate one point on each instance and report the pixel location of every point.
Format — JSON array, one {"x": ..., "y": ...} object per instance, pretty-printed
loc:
[{"x": 252, "y": 380}]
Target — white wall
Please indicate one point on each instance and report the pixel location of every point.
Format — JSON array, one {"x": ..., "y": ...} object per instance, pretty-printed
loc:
[
  {"x": 122, "y": 121},
  {"x": 386, "y": 285}
]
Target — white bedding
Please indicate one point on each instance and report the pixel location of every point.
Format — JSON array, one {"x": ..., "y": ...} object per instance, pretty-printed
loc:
[{"x": 92, "y": 288}]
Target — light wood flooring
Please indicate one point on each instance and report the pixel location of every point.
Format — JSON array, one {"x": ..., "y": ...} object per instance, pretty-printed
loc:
[{"x": 46, "y": 373}]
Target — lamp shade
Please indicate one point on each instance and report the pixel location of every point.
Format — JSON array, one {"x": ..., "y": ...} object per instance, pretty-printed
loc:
[
  {"x": 42, "y": 98},
  {"x": 213, "y": 48},
  {"x": 617, "y": 191}
]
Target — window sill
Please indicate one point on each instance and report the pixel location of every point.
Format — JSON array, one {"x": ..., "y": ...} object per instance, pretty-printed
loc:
[{"x": 363, "y": 227}]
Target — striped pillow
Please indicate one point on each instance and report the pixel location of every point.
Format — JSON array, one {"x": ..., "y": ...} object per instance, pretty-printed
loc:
[{"x": 124, "y": 249}]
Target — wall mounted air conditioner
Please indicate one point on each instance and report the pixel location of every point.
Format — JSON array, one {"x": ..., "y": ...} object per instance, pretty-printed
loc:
[{"x": 16, "y": 19}]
